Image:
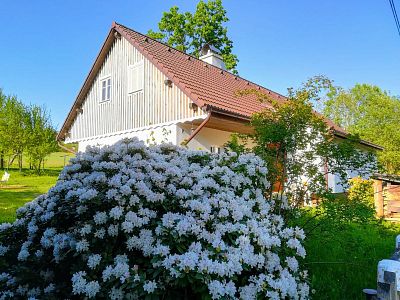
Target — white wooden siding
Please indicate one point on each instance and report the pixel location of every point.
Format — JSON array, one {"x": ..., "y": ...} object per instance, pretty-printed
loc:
[{"x": 156, "y": 103}]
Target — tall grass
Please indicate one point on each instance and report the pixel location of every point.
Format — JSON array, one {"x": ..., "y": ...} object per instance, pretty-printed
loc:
[{"x": 343, "y": 260}]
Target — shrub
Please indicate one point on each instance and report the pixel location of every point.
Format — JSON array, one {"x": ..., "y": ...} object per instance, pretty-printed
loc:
[
  {"x": 355, "y": 207},
  {"x": 361, "y": 190},
  {"x": 129, "y": 221}
]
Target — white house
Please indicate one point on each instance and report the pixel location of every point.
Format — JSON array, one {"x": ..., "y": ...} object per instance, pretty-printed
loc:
[{"x": 139, "y": 87}]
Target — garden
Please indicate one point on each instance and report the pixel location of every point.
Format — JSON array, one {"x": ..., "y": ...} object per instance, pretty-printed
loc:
[
  {"x": 341, "y": 256},
  {"x": 132, "y": 221}
]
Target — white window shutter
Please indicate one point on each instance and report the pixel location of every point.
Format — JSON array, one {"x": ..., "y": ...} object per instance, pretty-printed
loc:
[{"x": 135, "y": 77}]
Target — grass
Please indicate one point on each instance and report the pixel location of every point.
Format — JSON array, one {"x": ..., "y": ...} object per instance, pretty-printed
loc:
[
  {"x": 26, "y": 185},
  {"x": 21, "y": 188},
  {"x": 342, "y": 262},
  {"x": 54, "y": 160}
]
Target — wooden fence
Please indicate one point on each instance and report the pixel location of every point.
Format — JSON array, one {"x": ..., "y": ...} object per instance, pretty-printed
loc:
[{"x": 387, "y": 195}]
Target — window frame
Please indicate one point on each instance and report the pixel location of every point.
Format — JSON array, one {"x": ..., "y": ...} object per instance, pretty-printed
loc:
[{"x": 108, "y": 88}]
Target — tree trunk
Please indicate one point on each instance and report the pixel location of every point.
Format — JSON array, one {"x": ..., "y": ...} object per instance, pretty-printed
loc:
[
  {"x": 2, "y": 161},
  {"x": 20, "y": 162}
]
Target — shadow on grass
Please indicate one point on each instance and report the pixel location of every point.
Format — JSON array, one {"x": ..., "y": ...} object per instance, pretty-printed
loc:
[
  {"x": 11, "y": 200},
  {"x": 46, "y": 172}
]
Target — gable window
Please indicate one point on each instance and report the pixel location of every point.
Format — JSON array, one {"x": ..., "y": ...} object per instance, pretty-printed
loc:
[
  {"x": 135, "y": 77},
  {"x": 216, "y": 149},
  {"x": 105, "y": 89}
]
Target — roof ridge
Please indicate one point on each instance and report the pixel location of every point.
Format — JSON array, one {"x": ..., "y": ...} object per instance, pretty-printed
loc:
[{"x": 199, "y": 60}]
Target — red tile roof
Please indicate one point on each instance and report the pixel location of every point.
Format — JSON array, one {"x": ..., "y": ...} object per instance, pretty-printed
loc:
[{"x": 206, "y": 85}]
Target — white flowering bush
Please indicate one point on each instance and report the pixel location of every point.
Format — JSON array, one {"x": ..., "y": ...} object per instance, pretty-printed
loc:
[{"x": 132, "y": 222}]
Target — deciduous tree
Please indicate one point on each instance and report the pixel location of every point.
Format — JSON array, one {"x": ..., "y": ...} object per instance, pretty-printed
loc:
[
  {"x": 13, "y": 127},
  {"x": 372, "y": 114},
  {"x": 42, "y": 136},
  {"x": 298, "y": 144},
  {"x": 188, "y": 32}
]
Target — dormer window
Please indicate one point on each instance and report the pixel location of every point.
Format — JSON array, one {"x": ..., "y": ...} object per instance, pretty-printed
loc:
[{"x": 105, "y": 89}]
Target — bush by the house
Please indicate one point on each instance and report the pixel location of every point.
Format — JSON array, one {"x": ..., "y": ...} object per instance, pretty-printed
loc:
[{"x": 160, "y": 222}]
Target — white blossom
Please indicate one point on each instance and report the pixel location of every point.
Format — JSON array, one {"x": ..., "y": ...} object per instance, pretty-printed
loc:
[
  {"x": 94, "y": 260},
  {"x": 150, "y": 286},
  {"x": 184, "y": 213}
]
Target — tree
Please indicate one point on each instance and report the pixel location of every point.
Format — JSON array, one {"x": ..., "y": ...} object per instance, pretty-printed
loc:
[
  {"x": 188, "y": 32},
  {"x": 298, "y": 145},
  {"x": 13, "y": 127},
  {"x": 3, "y": 149},
  {"x": 25, "y": 129},
  {"x": 372, "y": 114},
  {"x": 42, "y": 136}
]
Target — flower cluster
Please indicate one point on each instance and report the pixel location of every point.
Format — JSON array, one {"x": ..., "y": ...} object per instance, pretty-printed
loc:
[{"x": 127, "y": 221}]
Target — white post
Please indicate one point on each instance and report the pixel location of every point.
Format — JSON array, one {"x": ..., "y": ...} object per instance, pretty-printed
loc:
[{"x": 389, "y": 279}]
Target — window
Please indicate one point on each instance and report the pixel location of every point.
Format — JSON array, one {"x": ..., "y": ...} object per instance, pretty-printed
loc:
[
  {"x": 135, "y": 77},
  {"x": 105, "y": 86},
  {"x": 216, "y": 149}
]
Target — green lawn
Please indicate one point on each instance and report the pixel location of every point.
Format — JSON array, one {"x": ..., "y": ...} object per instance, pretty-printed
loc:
[
  {"x": 54, "y": 160},
  {"x": 26, "y": 185},
  {"x": 21, "y": 188}
]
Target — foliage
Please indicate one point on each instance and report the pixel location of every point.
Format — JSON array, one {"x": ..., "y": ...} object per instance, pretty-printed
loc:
[
  {"x": 42, "y": 136},
  {"x": 13, "y": 128},
  {"x": 372, "y": 114},
  {"x": 153, "y": 222},
  {"x": 342, "y": 260},
  {"x": 188, "y": 32},
  {"x": 25, "y": 129},
  {"x": 361, "y": 190},
  {"x": 298, "y": 144}
]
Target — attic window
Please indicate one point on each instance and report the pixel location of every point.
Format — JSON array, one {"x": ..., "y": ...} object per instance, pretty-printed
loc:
[
  {"x": 105, "y": 89},
  {"x": 216, "y": 149},
  {"x": 135, "y": 77}
]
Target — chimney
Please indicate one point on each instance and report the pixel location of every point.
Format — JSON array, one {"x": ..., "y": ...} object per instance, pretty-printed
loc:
[{"x": 212, "y": 55}]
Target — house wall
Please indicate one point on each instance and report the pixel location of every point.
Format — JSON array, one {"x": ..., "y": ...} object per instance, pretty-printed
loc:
[
  {"x": 168, "y": 132},
  {"x": 155, "y": 104},
  {"x": 206, "y": 137},
  {"x": 334, "y": 181},
  {"x": 155, "y": 134}
]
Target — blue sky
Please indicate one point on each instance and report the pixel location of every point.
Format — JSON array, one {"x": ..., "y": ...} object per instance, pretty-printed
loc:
[{"x": 48, "y": 47}]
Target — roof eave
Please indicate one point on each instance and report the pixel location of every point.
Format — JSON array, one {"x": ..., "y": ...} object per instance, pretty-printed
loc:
[
  {"x": 362, "y": 142},
  {"x": 87, "y": 83}
]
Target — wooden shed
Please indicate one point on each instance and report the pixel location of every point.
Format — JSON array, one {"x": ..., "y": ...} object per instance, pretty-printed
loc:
[{"x": 387, "y": 195}]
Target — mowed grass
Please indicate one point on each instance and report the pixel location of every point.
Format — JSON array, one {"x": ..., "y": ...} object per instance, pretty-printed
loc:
[{"x": 27, "y": 185}]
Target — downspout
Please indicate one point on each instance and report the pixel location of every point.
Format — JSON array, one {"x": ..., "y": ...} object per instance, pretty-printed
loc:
[
  {"x": 326, "y": 170},
  {"x": 194, "y": 133}
]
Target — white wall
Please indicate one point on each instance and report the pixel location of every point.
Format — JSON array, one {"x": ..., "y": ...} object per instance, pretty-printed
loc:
[
  {"x": 169, "y": 132},
  {"x": 157, "y": 103},
  {"x": 206, "y": 138},
  {"x": 151, "y": 134}
]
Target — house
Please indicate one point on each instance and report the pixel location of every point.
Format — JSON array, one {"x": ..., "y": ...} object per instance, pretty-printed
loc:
[{"x": 140, "y": 87}]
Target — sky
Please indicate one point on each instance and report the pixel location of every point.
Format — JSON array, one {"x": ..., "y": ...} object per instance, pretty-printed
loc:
[{"x": 48, "y": 47}]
